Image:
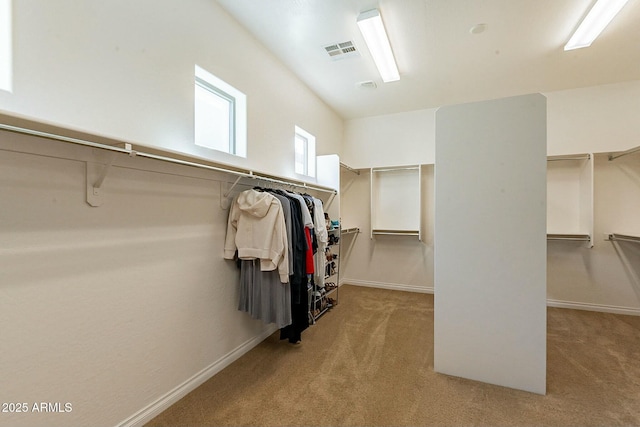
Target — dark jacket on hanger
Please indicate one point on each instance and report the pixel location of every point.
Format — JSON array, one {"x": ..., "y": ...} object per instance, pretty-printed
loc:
[{"x": 298, "y": 280}]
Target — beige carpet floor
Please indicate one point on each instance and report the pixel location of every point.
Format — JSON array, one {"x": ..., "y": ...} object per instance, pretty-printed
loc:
[{"x": 369, "y": 362}]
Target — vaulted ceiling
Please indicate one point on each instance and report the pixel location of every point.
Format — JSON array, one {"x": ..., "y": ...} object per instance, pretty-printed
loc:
[{"x": 440, "y": 60}]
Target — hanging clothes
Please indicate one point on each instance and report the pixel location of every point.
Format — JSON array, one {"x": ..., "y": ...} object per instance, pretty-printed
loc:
[
  {"x": 279, "y": 238},
  {"x": 309, "y": 252},
  {"x": 286, "y": 210},
  {"x": 306, "y": 215},
  {"x": 322, "y": 235},
  {"x": 257, "y": 235},
  {"x": 298, "y": 281},
  {"x": 256, "y": 230},
  {"x": 263, "y": 296}
]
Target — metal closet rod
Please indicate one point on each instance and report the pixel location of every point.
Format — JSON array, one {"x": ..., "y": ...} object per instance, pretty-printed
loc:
[
  {"x": 399, "y": 168},
  {"x": 131, "y": 152},
  {"x": 624, "y": 153},
  {"x": 624, "y": 237},
  {"x": 578, "y": 237},
  {"x": 350, "y": 230},
  {"x": 559, "y": 158},
  {"x": 397, "y": 232}
]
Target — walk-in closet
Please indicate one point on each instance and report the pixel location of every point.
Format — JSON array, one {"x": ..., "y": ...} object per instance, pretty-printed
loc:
[{"x": 231, "y": 212}]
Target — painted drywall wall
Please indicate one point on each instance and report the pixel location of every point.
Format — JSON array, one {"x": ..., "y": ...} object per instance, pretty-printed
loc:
[
  {"x": 125, "y": 70},
  {"x": 592, "y": 119},
  {"x": 570, "y": 195},
  {"x": 6, "y": 67},
  {"x": 117, "y": 310},
  {"x": 390, "y": 140},
  {"x": 578, "y": 277},
  {"x": 107, "y": 308},
  {"x": 490, "y": 245}
]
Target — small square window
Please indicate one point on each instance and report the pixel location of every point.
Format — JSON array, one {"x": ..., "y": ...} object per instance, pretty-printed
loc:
[
  {"x": 220, "y": 115},
  {"x": 305, "y": 152}
]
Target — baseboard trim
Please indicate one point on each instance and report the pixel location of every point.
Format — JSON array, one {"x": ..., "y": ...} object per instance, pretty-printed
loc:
[
  {"x": 385, "y": 285},
  {"x": 632, "y": 311},
  {"x": 147, "y": 413}
]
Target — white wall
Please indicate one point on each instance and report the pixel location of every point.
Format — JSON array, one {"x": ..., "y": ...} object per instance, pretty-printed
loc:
[
  {"x": 6, "y": 66},
  {"x": 391, "y": 140},
  {"x": 592, "y": 119},
  {"x": 490, "y": 311},
  {"x": 108, "y": 308},
  {"x": 119, "y": 309},
  {"x": 114, "y": 308},
  {"x": 125, "y": 69},
  {"x": 598, "y": 119}
]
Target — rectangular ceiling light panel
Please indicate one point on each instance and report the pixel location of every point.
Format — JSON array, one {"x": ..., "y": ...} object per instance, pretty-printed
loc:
[
  {"x": 600, "y": 15},
  {"x": 372, "y": 28}
]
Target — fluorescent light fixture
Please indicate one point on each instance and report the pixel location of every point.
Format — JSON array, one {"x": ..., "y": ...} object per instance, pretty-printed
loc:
[
  {"x": 596, "y": 20},
  {"x": 372, "y": 29}
]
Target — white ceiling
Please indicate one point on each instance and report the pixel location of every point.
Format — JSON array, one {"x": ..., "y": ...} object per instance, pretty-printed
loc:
[{"x": 440, "y": 61}]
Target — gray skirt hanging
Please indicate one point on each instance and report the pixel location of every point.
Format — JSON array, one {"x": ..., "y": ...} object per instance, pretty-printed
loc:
[{"x": 263, "y": 295}]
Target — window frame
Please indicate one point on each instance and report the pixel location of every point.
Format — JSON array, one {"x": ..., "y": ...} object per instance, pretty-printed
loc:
[
  {"x": 237, "y": 120},
  {"x": 308, "y": 154},
  {"x": 232, "y": 111}
]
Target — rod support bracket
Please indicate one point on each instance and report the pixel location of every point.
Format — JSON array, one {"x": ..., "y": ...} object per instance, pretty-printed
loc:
[{"x": 95, "y": 174}]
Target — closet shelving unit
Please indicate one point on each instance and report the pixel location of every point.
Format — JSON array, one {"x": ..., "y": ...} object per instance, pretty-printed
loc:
[
  {"x": 319, "y": 302},
  {"x": 351, "y": 230},
  {"x": 615, "y": 237},
  {"x": 320, "y": 296},
  {"x": 570, "y": 198},
  {"x": 396, "y": 201}
]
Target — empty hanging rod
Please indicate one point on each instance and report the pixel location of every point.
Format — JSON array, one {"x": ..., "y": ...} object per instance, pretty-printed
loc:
[
  {"x": 559, "y": 158},
  {"x": 624, "y": 153},
  {"x": 576, "y": 237},
  {"x": 132, "y": 152},
  {"x": 62, "y": 138},
  {"x": 399, "y": 168},
  {"x": 397, "y": 232},
  {"x": 624, "y": 237},
  {"x": 349, "y": 168},
  {"x": 350, "y": 230}
]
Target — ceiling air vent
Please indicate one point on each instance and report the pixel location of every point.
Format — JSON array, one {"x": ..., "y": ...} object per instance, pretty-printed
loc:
[
  {"x": 342, "y": 50},
  {"x": 369, "y": 84}
]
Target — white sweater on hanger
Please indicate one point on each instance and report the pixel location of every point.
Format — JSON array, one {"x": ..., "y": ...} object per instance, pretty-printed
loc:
[{"x": 256, "y": 228}]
